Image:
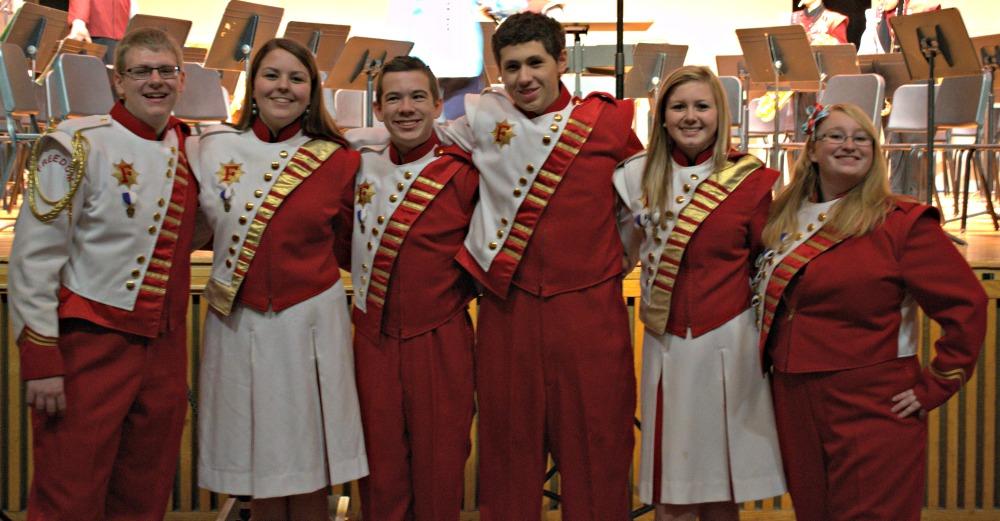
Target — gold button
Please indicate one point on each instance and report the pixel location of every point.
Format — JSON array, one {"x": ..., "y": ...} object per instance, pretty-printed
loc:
[
  {"x": 364, "y": 267},
  {"x": 438, "y": 152},
  {"x": 546, "y": 140},
  {"x": 504, "y": 221},
  {"x": 679, "y": 199},
  {"x": 170, "y": 162},
  {"x": 375, "y": 232},
  {"x": 369, "y": 246},
  {"x": 407, "y": 175},
  {"x": 275, "y": 165},
  {"x": 169, "y": 174},
  {"x": 161, "y": 202},
  {"x": 668, "y": 215},
  {"x": 130, "y": 285},
  {"x": 651, "y": 257},
  {"x": 229, "y": 263},
  {"x": 554, "y": 128},
  {"x": 687, "y": 187},
  {"x": 400, "y": 186},
  {"x": 522, "y": 181},
  {"x": 364, "y": 279},
  {"x": 173, "y": 150},
  {"x": 781, "y": 249},
  {"x": 236, "y": 238},
  {"x": 517, "y": 192},
  {"x": 657, "y": 239},
  {"x": 268, "y": 176},
  {"x": 243, "y": 219},
  {"x": 694, "y": 177},
  {"x": 798, "y": 236},
  {"x": 249, "y": 206},
  {"x": 156, "y": 216},
  {"x": 232, "y": 250},
  {"x": 493, "y": 245},
  {"x": 393, "y": 198},
  {"x": 381, "y": 219},
  {"x": 500, "y": 234},
  {"x": 135, "y": 274},
  {"x": 530, "y": 168},
  {"x": 283, "y": 154},
  {"x": 141, "y": 259},
  {"x": 258, "y": 193},
  {"x": 558, "y": 117},
  {"x": 151, "y": 230},
  {"x": 822, "y": 217},
  {"x": 810, "y": 227}
]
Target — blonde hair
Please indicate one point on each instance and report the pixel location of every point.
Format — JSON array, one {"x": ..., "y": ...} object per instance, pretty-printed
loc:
[
  {"x": 656, "y": 177},
  {"x": 858, "y": 212}
]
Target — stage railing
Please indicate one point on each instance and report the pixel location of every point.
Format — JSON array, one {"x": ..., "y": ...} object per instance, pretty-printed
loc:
[{"x": 964, "y": 435}]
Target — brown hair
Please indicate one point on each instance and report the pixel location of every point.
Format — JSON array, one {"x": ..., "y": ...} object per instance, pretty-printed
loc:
[
  {"x": 316, "y": 121},
  {"x": 406, "y": 64}
]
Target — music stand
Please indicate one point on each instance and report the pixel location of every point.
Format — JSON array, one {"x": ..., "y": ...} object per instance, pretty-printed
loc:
[
  {"x": 243, "y": 29},
  {"x": 779, "y": 55},
  {"x": 71, "y": 46},
  {"x": 326, "y": 41},
  {"x": 194, "y": 55},
  {"x": 36, "y": 29},
  {"x": 358, "y": 64},
  {"x": 832, "y": 60},
  {"x": 651, "y": 63},
  {"x": 891, "y": 67},
  {"x": 935, "y": 45},
  {"x": 177, "y": 29}
]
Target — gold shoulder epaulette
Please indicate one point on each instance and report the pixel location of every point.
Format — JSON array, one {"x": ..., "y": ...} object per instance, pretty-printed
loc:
[{"x": 77, "y": 170}]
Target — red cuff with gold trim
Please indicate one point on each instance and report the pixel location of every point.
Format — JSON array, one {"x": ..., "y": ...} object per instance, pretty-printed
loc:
[
  {"x": 936, "y": 386},
  {"x": 40, "y": 356}
]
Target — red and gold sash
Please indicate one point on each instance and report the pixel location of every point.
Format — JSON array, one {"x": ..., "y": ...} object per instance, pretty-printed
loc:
[
  {"x": 575, "y": 134},
  {"x": 418, "y": 198},
  {"x": 785, "y": 271},
  {"x": 305, "y": 161},
  {"x": 655, "y": 311}
]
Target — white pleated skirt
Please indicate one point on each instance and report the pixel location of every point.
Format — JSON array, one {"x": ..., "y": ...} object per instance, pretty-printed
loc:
[
  {"x": 719, "y": 441},
  {"x": 278, "y": 413}
]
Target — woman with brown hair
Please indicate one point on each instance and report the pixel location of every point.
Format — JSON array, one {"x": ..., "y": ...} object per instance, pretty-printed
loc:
[
  {"x": 279, "y": 418},
  {"x": 847, "y": 264},
  {"x": 694, "y": 211}
]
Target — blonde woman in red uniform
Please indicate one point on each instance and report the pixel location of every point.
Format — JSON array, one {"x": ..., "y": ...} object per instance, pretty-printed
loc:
[
  {"x": 836, "y": 297},
  {"x": 695, "y": 209}
]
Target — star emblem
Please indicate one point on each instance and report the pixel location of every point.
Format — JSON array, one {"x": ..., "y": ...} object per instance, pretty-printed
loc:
[
  {"x": 125, "y": 174},
  {"x": 503, "y": 133},
  {"x": 365, "y": 193},
  {"x": 229, "y": 173}
]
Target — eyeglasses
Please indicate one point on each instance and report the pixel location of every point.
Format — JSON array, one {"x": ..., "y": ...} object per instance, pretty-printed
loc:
[
  {"x": 839, "y": 138},
  {"x": 167, "y": 72}
]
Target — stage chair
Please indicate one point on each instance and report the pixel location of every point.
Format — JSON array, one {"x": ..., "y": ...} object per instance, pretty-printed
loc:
[
  {"x": 203, "y": 100},
  {"x": 905, "y": 130},
  {"x": 349, "y": 107},
  {"x": 78, "y": 86},
  {"x": 864, "y": 90},
  {"x": 20, "y": 110},
  {"x": 734, "y": 95}
]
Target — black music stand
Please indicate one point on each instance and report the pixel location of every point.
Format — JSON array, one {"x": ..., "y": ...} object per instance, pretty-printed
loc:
[
  {"x": 358, "y": 64},
  {"x": 833, "y": 60},
  {"x": 326, "y": 41},
  {"x": 935, "y": 45},
  {"x": 177, "y": 29},
  {"x": 778, "y": 55},
  {"x": 36, "y": 29},
  {"x": 651, "y": 63},
  {"x": 243, "y": 29}
]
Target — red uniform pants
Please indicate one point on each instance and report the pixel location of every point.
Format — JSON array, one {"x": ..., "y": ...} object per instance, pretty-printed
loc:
[
  {"x": 555, "y": 374},
  {"x": 113, "y": 454},
  {"x": 846, "y": 455},
  {"x": 417, "y": 405}
]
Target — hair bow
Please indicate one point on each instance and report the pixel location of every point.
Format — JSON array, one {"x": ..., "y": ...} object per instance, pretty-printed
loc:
[{"x": 816, "y": 114}]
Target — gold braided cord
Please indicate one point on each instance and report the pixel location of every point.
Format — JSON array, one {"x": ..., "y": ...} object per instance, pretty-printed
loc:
[{"x": 77, "y": 169}]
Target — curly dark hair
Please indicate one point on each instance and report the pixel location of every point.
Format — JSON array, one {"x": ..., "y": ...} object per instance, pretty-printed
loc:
[{"x": 528, "y": 27}]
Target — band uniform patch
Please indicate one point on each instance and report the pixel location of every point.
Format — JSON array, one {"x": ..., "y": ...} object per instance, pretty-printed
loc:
[
  {"x": 229, "y": 173},
  {"x": 503, "y": 133},
  {"x": 125, "y": 174}
]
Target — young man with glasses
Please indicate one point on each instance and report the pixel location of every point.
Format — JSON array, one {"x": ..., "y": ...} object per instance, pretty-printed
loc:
[{"x": 99, "y": 278}]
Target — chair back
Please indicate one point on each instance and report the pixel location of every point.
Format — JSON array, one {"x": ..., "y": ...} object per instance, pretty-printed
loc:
[
  {"x": 864, "y": 90},
  {"x": 961, "y": 102},
  {"x": 203, "y": 98},
  {"x": 78, "y": 86},
  {"x": 909, "y": 109},
  {"x": 734, "y": 93},
  {"x": 16, "y": 89}
]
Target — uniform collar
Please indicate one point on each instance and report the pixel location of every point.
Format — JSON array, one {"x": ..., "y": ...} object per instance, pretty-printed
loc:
[
  {"x": 683, "y": 160},
  {"x": 560, "y": 103},
  {"x": 414, "y": 154},
  {"x": 142, "y": 129},
  {"x": 263, "y": 133}
]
